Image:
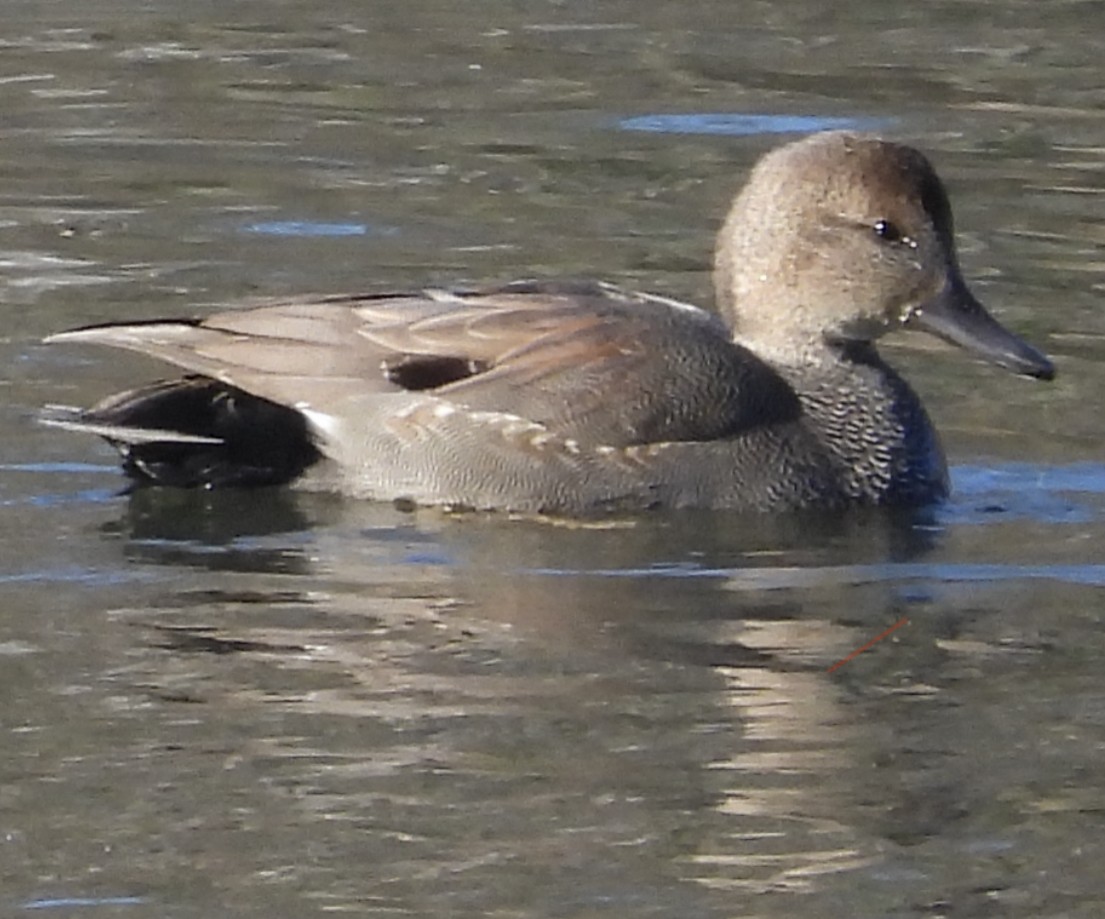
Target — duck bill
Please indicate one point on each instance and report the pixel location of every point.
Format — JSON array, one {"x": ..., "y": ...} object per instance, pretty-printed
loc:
[{"x": 956, "y": 316}]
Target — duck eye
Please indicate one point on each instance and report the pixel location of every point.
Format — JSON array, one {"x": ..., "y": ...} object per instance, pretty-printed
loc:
[{"x": 888, "y": 231}]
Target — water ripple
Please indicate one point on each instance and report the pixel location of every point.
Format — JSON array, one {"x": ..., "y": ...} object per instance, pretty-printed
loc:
[
  {"x": 846, "y": 575},
  {"x": 315, "y": 228},
  {"x": 71, "y": 902},
  {"x": 735, "y": 124}
]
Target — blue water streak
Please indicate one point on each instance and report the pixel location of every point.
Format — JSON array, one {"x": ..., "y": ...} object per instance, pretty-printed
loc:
[
  {"x": 736, "y": 124},
  {"x": 70, "y": 902}
]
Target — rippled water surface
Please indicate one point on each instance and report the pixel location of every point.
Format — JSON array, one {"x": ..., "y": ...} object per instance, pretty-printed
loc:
[{"x": 279, "y": 705}]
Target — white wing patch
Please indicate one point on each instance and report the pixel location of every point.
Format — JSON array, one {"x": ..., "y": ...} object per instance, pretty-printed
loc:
[{"x": 323, "y": 422}]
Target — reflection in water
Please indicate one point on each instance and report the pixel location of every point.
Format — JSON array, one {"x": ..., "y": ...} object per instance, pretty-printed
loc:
[
  {"x": 790, "y": 815},
  {"x": 476, "y": 686},
  {"x": 216, "y": 532},
  {"x": 634, "y": 712}
]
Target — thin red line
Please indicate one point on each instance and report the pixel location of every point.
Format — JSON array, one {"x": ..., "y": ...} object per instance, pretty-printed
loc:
[{"x": 873, "y": 641}]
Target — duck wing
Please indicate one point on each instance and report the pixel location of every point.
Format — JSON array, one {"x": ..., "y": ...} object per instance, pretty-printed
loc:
[{"x": 589, "y": 362}]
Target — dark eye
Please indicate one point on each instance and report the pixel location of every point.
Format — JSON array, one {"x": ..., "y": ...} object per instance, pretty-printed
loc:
[{"x": 888, "y": 231}]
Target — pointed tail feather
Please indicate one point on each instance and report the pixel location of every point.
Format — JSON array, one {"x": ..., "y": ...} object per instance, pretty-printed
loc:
[{"x": 72, "y": 418}]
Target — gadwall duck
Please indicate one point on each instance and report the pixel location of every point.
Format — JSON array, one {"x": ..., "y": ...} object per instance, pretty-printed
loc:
[{"x": 572, "y": 398}]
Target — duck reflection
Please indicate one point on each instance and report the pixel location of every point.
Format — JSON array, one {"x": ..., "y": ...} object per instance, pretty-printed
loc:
[{"x": 653, "y": 689}]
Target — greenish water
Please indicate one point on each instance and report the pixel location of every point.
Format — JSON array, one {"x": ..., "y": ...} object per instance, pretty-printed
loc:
[{"x": 279, "y": 705}]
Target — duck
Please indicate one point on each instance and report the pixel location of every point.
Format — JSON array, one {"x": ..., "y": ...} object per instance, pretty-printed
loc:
[{"x": 572, "y": 398}]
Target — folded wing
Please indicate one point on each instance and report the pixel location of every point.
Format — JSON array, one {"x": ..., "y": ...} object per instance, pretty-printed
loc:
[{"x": 589, "y": 362}]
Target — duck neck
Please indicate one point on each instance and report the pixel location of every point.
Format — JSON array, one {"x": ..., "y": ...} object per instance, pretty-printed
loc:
[{"x": 872, "y": 423}]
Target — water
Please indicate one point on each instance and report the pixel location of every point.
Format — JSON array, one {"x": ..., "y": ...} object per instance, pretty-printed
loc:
[{"x": 281, "y": 705}]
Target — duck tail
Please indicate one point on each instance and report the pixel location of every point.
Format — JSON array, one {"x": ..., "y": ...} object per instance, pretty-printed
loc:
[{"x": 196, "y": 432}]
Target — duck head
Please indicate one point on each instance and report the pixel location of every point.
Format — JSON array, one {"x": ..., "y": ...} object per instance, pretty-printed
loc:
[{"x": 841, "y": 238}]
